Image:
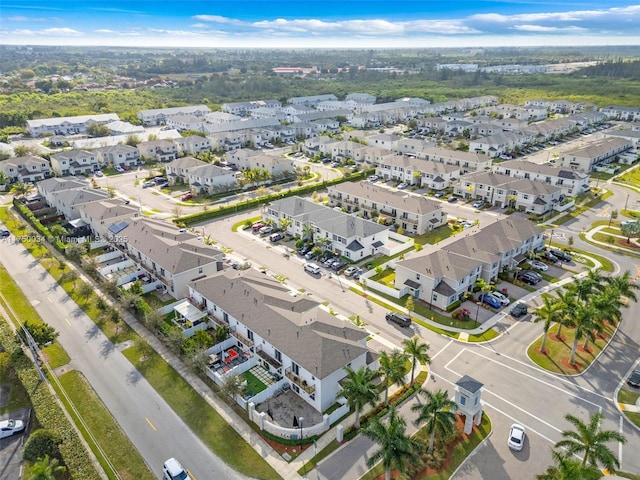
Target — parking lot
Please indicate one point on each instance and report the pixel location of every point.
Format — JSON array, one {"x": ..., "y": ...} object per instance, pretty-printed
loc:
[{"x": 11, "y": 447}]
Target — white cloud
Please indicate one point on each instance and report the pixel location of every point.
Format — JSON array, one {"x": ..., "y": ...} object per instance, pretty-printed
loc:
[
  {"x": 65, "y": 31},
  {"x": 219, "y": 19},
  {"x": 540, "y": 28}
]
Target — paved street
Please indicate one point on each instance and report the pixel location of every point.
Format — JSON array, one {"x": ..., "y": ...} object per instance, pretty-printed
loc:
[{"x": 153, "y": 427}]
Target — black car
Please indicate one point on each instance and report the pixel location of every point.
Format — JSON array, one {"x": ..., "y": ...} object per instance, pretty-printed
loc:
[
  {"x": 452, "y": 199},
  {"x": 634, "y": 379},
  {"x": 519, "y": 310},
  {"x": 399, "y": 318},
  {"x": 560, "y": 255},
  {"x": 549, "y": 257},
  {"x": 304, "y": 250}
]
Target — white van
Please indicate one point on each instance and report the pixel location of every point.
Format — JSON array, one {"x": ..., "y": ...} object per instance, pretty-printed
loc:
[
  {"x": 312, "y": 268},
  {"x": 172, "y": 470},
  {"x": 274, "y": 237}
]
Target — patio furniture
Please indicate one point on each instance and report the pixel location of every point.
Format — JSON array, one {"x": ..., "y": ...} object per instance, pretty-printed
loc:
[{"x": 231, "y": 355}]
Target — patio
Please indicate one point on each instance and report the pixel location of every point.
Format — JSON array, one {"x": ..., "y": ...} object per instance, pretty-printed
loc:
[
  {"x": 224, "y": 361},
  {"x": 284, "y": 407}
]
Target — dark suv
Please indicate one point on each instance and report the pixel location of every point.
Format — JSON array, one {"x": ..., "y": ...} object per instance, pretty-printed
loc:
[
  {"x": 519, "y": 310},
  {"x": 528, "y": 277},
  {"x": 399, "y": 318},
  {"x": 560, "y": 255}
]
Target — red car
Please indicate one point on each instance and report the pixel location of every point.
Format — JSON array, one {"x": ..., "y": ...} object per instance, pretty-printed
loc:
[{"x": 186, "y": 196}]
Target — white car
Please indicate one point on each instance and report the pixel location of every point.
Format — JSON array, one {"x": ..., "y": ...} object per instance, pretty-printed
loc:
[
  {"x": 478, "y": 204},
  {"x": 501, "y": 297},
  {"x": 119, "y": 169},
  {"x": 402, "y": 186},
  {"x": 539, "y": 265},
  {"x": 516, "y": 437},
  {"x": 172, "y": 470},
  {"x": 9, "y": 427}
]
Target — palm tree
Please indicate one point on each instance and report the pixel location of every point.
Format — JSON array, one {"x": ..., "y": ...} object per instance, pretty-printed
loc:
[
  {"x": 21, "y": 189},
  {"x": 567, "y": 301},
  {"x": 392, "y": 370},
  {"x": 590, "y": 440},
  {"x": 417, "y": 351},
  {"x": 568, "y": 468},
  {"x": 358, "y": 389},
  {"x": 397, "y": 449},
  {"x": 624, "y": 285},
  {"x": 585, "y": 288},
  {"x": 550, "y": 312},
  {"x": 307, "y": 232},
  {"x": 585, "y": 321},
  {"x": 46, "y": 468},
  {"x": 437, "y": 413},
  {"x": 284, "y": 224}
]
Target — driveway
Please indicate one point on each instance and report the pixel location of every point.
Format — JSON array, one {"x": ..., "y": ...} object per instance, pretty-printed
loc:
[{"x": 11, "y": 448}]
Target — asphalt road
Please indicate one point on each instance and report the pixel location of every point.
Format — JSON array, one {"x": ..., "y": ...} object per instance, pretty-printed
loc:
[
  {"x": 153, "y": 427},
  {"x": 515, "y": 390}
]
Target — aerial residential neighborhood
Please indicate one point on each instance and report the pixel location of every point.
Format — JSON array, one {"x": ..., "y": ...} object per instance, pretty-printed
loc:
[{"x": 320, "y": 258}]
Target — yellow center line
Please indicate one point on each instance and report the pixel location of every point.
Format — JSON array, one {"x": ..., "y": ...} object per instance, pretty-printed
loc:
[
  {"x": 68, "y": 322},
  {"x": 191, "y": 474},
  {"x": 151, "y": 424}
]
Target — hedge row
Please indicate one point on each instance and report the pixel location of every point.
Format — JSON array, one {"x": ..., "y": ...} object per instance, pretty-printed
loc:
[
  {"x": 256, "y": 202},
  {"x": 47, "y": 409},
  {"x": 35, "y": 223}
]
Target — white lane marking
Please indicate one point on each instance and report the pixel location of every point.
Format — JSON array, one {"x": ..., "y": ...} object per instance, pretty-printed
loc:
[
  {"x": 442, "y": 350},
  {"x": 454, "y": 358},
  {"x": 620, "y": 443},
  {"x": 540, "y": 370}
]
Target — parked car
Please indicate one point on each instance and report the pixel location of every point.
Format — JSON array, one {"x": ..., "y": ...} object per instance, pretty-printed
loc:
[
  {"x": 516, "y": 437},
  {"x": 452, "y": 199},
  {"x": 119, "y": 169},
  {"x": 527, "y": 278},
  {"x": 172, "y": 470},
  {"x": 538, "y": 265},
  {"x": 312, "y": 268},
  {"x": 439, "y": 195},
  {"x": 148, "y": 184},
  {"x": 504, "y": 300},
  {"x": 10, "y": 427},
  {"x": 274, "y": 237},
  {"x": 560, "y": 255},
  {"x": 309, "y": 255},
  {"x": 255, "y": 228},
  {"x": 490, "y": 300},
  {"x": 186, "y": 196},
  {"x": 634, "y": 379},
  {"x": 402, "y": 186},
  {"x": 519, "y": 310},
  {"x": 4, "y": 232},
  {"x": 339, "y": 265},
  {"x": 359, "y": 272},
  {"x": 160, "y": 180},
  {"x": 304, "y": 250},
  {"x": 99, "y": 173},
  {"x": 550, "y": 257},
  {"x": 372, "y": 178},
  {"x": 266, "y": 230},
  {"x": 399, "y": 318},
  {"x": 350, "y": 271},
  {"x": 478, "y": 204}
]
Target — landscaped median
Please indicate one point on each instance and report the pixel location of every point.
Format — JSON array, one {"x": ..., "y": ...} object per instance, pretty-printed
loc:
[{"x": 627, "y": 398}]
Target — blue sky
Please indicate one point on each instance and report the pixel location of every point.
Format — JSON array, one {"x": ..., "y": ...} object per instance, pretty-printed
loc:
[{"x": 320, "y": 24}]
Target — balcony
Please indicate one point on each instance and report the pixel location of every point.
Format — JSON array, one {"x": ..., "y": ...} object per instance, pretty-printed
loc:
[
  {"x": 198, "y": 305},
  {"x": 218, "y": 321},
  {"x": 242, "y": 338},
  {"x": 310, "y": 389},
  {"x": 268, "y": 358}
]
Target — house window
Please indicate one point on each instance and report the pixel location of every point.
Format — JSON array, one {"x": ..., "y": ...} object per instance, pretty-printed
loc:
[
  {"x": 475, "y": 401},
  {"x": 463, "y": 400},
  {"x": 225, "y": 317},
  {"x": 278, "y": 355},
  {"x": 295, "y": 368}
]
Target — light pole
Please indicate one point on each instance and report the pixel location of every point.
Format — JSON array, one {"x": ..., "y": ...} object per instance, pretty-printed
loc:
[
  {"x": 626, "y": 202},
  {"x": 477, "y": 311},
  {"x": 550, "y": 237},
  {"x": 315, "y": 454},
  {"x": 300, "y": 420}
]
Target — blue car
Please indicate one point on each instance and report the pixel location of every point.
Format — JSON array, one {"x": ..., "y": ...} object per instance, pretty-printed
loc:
[{"x": 490, "y": 300}]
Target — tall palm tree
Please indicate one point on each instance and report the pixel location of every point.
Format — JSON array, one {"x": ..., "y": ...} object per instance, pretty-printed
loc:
[
  {"x": 417, "y": 352},
  {"x": 392, "y": 368},
  {"x": 397, "y": 449},
  {"x": 284, "y": 224},
  {"x": 307, "y": 232},
  {"x": 587, "y": 287},
  {"x": 46, "y": 468},
  {"x": 590, "y": 440},
  {"x": 569, "y": 468},
  {"x": 567, "y": 300},
  {"x": 437, "y": 413},
  {"x": 585, "y": 321},
  {"x": 624, "y": 285},
  {"x": 358, "y": 389},
  {"x": 550, "y": 312}
]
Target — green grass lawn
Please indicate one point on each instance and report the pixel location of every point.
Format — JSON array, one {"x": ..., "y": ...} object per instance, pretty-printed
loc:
[
  {"x": 556, "y": 359},
  {"x": 18, "y": 396},
  {"x": 254, "y": 385},
  {"x": 117, "y": 447},
  {"x": 435, "y": 236},
  {"x": 217, "y": 434},
  {"x": 628, "y": 396}
]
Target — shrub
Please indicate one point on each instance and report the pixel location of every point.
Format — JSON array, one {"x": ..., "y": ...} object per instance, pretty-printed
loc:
[
  {"x": 454, "y": 305},
  {"x": 40, "y": 443}
]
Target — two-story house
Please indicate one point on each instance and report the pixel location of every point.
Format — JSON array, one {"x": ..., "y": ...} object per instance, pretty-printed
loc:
[
  {"x": 28, "y": 169},
  {"x": 74, "y": 162},
  {"x": 178, "y": 170},
  {"x": 571, "y": 182},
  {"x": 118, "y": 155}
]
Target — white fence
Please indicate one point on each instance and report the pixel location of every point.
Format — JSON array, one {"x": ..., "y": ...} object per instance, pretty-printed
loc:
[
  {"x": 380, "y": 287},
  {"x": 116, "y": 267},
  {"x": 105, "y": 257},
  {"x": 293, "y": 433},
  {"x": 392, "y": 248}
]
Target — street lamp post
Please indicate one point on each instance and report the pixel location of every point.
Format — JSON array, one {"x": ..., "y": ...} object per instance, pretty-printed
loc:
[
  {"x": 626, "y": 202},
  {"x": 550, "y": 237},
  {"x": 477, "y": 311},
  {"x": 300, "y": 420},
  {"x": 315, "y": 454}
]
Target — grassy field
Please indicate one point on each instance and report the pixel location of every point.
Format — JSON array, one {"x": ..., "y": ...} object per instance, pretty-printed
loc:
[
  {"x": 556, "y": 359},
  {"x": 121, "y": 453}
]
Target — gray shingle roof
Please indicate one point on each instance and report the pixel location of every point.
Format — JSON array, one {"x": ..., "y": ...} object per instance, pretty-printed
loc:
[
  {"x": 469, "y": 384},
  {"x": 297, "y": 326}
]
